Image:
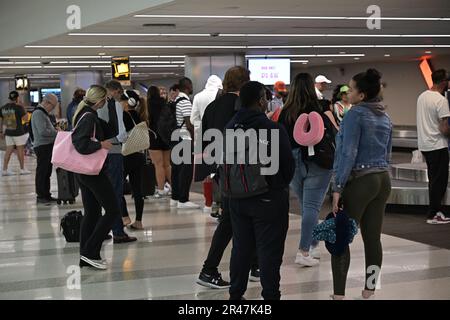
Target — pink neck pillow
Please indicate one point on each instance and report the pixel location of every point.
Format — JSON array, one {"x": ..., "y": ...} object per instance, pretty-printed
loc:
[{"x": 312, "y": 122}]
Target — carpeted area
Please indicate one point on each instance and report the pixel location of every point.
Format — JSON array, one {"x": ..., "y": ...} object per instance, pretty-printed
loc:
[{"x": 406, "y": 222}]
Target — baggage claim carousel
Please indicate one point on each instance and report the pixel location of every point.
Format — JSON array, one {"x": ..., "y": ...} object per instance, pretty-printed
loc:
[{"x": 409, "y": 180}]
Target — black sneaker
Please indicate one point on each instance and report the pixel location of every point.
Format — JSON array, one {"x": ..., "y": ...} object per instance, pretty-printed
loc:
[
  {"x": 124, "y": 239},
  {"x": 43, "y": 201},
  {"x": 254, "y": 275},
  {"x": 212, "y": 281}
]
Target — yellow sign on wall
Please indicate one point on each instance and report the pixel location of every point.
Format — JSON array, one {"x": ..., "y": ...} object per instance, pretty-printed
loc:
[{"x": 120, "y": 70}]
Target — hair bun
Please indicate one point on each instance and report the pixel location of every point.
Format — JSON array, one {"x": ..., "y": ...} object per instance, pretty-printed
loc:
[{"x": 373, "y": 74}]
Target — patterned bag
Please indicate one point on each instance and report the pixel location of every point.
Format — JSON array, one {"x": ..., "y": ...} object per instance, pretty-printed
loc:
[{"x": 138, "y": 139}]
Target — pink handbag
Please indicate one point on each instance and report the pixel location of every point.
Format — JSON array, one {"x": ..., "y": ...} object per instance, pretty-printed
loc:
[{"x": 66, "y": 157}]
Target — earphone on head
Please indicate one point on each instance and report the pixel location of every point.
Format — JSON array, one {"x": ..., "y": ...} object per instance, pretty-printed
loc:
[{"x": 131, "y": 101}]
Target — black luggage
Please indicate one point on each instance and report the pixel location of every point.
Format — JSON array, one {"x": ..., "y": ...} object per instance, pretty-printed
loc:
[
  {"x": 148, "y": 178},
  {"x": 71, "y": 226},
  {"x": 67, "y": 186}
]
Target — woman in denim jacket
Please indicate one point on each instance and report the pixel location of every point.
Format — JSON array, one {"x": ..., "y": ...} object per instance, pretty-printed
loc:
[{"x": 361, "y": 175}]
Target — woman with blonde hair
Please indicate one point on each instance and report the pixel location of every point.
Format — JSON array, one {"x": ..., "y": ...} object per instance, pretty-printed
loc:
[{"x": 96, "y": 191}]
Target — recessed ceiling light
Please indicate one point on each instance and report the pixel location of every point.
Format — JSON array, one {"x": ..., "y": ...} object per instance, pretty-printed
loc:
[
  {"x": 290, "y": 17},
  {"x": 65, "y": 67},
  {"x": 356, "y": 58},
  {"x": 157, "y": 66},
  {"x": 241, "y": 47},
  {"x": 74, "y": 57},
  {"x": 283, "y": 35},
  {"x": 329, "y": 60},
  {"x": 20, "y": 57},
  {"x": 387, "y": 55},
  {"x": 342, "y": 52},
  {"x": 175, "y": 47},
  {"x": 156, "y": 57},
  {"x": 304, "y": 62},
  {"x": 304, "y": 55},
  {"x": 428, "y": 52},
  {"x": 63, "y": 47},
  {"x": 22, "y": 67}
]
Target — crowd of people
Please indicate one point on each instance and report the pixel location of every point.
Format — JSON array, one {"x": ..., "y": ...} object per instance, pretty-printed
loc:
[{"x": 357, "y": 146}]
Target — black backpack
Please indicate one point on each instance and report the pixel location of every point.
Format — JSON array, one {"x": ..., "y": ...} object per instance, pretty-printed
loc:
[
  {"x": 71, "y": 225},
  {"x": 167, "y": 122},
  {"x": 325, "y": 149},
  {"x": 240, "y": 181}
]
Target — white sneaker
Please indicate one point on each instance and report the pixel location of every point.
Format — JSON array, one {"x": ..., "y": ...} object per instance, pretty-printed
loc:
[
  {"x": 6, "y": 173},
  {"x": 188, "y": 205},
  {"x": 156, "y": 195},
  {"x": 24, "y": 172},
  {"x": 163, "y": 193},
  {"x": 173, "y": 203},
  {"x": 167, "y": 187},
  {"x": 207, "y": 210},
  {"x": 315, "y": 252},
  {"x": 439, "y": 218},
  {"x": 306, "y": 261}
]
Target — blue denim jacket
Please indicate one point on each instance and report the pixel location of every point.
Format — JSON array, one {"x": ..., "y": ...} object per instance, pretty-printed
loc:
[{"x": 364, "y": 143}]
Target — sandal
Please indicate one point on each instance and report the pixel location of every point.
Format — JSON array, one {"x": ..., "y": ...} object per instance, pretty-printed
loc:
[
  {"x": 126, "y": 221},
  {"x": 133, "y": 227}
]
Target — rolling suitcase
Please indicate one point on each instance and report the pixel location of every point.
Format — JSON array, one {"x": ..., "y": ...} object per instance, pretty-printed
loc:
[
  {"x": 148, "y": 178},
  {"x": 67, "y": 186}
]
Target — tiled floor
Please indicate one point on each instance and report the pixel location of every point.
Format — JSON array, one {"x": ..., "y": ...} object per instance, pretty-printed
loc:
[{"x": 164, "y": 263}]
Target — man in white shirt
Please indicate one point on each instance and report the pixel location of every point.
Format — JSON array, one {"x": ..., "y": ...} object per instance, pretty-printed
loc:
[
  {"x": 433, "y": 131},
  {"x": 204, "y": 98},
  {"x": 112, "y": 113},
  {"x": 182, "y": 173},
  {"x": 321, "y": 85}
]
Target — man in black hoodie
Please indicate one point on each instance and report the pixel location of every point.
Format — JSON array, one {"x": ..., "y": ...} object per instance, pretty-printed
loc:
[
  {"x": 217, "y": 114},
  {"x": 261, "y": 221}
]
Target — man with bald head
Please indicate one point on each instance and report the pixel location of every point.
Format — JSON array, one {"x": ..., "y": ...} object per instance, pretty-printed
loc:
[{"x": 44, "y": 134}]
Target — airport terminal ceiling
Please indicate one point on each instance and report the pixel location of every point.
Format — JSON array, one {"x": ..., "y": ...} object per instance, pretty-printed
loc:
[{"x": 311, "y": 33}]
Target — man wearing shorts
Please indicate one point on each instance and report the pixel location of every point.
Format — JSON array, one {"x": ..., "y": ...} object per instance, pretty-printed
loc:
[{"x": 12, "y": 129}]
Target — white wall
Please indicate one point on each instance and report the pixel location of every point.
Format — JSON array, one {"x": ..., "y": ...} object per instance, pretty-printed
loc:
[{"x": 404, "y": 83}]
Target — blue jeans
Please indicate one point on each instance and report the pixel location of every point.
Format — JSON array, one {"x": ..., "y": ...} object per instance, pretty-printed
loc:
[
  {"x": 114, "y": 170},
  {"x": 310, "y": 183}
]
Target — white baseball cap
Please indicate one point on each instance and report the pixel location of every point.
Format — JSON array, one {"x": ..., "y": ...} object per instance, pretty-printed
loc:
[{"x": 321, "y": 78}]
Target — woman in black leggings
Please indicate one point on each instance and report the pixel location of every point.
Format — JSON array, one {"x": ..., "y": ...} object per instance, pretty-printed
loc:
[
  {"x": 361, "y": 175},
  {"x": 96, "y": 191},
  {"x": 134, "y": 163}
]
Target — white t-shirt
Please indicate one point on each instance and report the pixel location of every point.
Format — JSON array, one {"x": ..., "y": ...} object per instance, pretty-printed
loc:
[{"x": 431, "y": 107}]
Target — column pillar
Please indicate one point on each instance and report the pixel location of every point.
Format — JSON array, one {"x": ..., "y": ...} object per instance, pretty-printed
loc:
[
  {"x": 70, "y": 81},
  {"x": 199, "y": 67}
]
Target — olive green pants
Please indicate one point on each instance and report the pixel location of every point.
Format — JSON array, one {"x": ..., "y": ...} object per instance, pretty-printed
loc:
[{"x": 364, "y": 200}]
